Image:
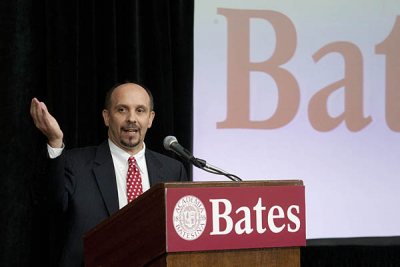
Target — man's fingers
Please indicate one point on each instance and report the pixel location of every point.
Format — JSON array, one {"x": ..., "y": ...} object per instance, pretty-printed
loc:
[
  {"x": 40, "y": 115},
  {"x": 33, "y": 110}
]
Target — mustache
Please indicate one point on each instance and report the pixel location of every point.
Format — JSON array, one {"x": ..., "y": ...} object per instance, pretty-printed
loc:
[{"x": 130, "y": 127}]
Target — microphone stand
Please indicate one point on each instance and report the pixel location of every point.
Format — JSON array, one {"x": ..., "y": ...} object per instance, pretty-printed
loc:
[
  {"x": 202, "y": 164},
  {"x": 171, "y": 143}
]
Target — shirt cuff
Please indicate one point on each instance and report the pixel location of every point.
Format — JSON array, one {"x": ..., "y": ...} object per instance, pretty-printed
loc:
[{"x": 54, "y": 152}]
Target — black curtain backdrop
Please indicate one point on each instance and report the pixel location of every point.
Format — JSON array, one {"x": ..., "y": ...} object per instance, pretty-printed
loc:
[{"x": 68, "y": 54}]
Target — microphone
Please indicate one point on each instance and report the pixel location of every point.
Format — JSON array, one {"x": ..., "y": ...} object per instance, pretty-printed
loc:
[{"x": 171, "y": 143}]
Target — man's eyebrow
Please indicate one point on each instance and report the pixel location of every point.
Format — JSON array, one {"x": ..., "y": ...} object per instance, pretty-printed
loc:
[
  {"x": 142, "y": 106},
  {"x": 127, "y": 106},
  {"x": 121, "y": 105}
]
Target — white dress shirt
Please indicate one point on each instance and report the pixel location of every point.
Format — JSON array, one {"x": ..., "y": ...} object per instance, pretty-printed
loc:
[{"x": 120, "y": 161}]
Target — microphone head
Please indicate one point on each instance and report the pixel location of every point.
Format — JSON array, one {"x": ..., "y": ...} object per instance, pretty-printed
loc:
[{"x": 168, "y": 142}]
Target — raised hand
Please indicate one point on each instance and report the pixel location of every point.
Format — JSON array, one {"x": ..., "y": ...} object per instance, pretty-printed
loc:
[{"x": 46, "y": 123}]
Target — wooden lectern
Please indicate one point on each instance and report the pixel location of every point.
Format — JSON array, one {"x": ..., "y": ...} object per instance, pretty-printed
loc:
[{"x": 172, "y": 225}]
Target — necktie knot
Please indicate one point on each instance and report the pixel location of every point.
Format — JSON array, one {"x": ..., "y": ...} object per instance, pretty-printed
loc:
[{"x": 132, "y": 161}]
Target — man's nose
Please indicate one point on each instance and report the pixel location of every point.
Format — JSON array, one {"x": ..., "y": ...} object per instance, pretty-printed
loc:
[{"x": 131, "y": 116}]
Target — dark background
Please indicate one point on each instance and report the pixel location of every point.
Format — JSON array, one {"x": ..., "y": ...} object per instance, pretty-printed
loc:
[{"x": 68, "y": 54}]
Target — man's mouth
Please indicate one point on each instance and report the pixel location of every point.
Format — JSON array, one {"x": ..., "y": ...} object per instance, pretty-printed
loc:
[{"x": 130, "y": 129}]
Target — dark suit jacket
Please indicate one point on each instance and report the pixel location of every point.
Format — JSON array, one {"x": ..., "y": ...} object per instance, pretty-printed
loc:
[{"x": 84, "y": 189}]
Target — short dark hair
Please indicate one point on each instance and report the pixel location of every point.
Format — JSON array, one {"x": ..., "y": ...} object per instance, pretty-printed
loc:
[{"x": 107, "y": 100}]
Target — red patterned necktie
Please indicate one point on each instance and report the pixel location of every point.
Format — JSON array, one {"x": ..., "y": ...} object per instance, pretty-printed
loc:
[{"x": 133, "y": 180}]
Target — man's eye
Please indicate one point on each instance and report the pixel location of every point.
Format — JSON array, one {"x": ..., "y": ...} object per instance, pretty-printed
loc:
[
  {"x": 121, "y": 110},
  {"x": 140, "y": 110}
]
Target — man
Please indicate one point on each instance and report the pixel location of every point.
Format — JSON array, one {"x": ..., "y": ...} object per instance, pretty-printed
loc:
[{"x": 90, "y": 184}]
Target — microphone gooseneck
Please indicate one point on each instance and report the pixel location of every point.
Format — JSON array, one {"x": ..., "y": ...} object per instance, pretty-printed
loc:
[{"x": 171, "y": 143}]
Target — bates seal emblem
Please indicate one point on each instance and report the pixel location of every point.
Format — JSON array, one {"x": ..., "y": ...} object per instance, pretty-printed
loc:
[{"x": 189, "y": 217}]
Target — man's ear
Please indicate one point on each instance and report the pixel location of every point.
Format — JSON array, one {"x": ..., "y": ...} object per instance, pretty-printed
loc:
[
  {"x": 106, "y": 117},
  {"x": 152, "y": 115}
]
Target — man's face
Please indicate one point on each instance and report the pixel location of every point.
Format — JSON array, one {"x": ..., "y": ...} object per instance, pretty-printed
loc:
[{"x": 128, "y": 117}]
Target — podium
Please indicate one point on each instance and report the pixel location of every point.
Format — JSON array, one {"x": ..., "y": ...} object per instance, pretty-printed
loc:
[{"x": 252, "y": 223}]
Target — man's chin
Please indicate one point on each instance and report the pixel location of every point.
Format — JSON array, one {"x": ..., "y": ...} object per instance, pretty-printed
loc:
[{"x": 130, "y": 145}]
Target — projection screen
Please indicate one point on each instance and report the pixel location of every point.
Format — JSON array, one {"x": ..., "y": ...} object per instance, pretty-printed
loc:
[{"x": 305, "y": 90}]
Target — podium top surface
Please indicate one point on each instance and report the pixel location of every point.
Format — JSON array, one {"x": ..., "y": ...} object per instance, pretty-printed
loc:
[{"x": 231, "y": 183}]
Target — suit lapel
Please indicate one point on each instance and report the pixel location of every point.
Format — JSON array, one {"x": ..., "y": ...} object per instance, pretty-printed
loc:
[
  {"x": 105, "y": 176},
  {"x": 154, "y": 168}
]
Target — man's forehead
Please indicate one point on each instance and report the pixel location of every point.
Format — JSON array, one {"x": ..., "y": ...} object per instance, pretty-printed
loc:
[
  {"x": 130, "y": 87},
  {"x": 130, "y": 94}
]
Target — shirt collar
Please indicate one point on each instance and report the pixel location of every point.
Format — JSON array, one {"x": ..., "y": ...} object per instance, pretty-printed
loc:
[{"x": 123, "y": 156}]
